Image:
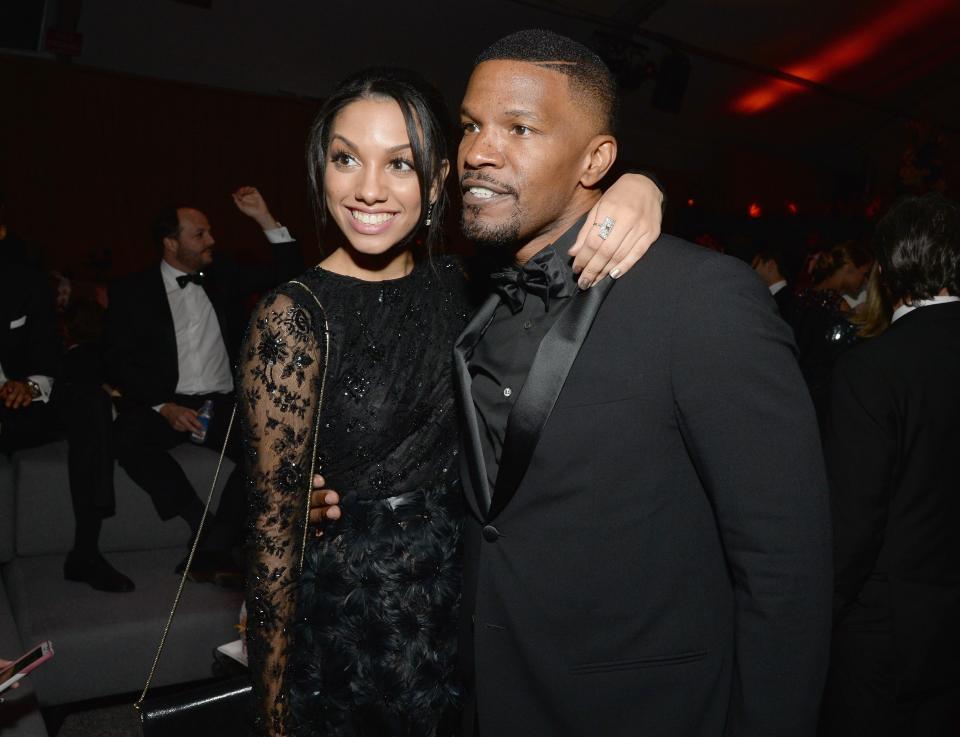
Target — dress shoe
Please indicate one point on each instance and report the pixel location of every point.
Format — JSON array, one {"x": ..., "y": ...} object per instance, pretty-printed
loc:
[{"x": 96, "y": 571}]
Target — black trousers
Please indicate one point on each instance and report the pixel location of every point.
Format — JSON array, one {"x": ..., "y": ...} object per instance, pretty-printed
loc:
[
  {"x": 143, "y": 439},
  {"x": 861, "y": 697},
  {"x": 83, "y": 413}
]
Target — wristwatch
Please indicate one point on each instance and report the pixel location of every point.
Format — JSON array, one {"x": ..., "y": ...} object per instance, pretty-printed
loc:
[{"x": 35, "y": 390}]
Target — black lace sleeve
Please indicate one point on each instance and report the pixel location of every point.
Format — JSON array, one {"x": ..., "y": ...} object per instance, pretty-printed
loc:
[{"x": 281, "y": 366}]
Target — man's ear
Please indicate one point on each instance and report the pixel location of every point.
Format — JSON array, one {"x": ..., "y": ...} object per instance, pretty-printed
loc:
[
  {"x": 169, "y": 245},
  {"x": 438, "y": 182},
  {"x": 600, "y": 154}
]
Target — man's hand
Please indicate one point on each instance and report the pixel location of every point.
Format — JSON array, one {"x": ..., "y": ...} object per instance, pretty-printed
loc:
[
  {"x": 635, "y": 204},
  {"x": 250, "y": 202},
  {"x": 180, "y": 418},
  {"x": 324, "y": 503},
  {"x": 16, "y": 394}
]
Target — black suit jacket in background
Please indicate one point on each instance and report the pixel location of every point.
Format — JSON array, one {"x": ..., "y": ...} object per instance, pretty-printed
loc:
[
  {"x": 892, "y": 444},
  {"x": 29, "y": 339},
  {"x": 140, "y": 338},
  {"x": 787, "y": 305},
  {"x": 658, "y": 561}
]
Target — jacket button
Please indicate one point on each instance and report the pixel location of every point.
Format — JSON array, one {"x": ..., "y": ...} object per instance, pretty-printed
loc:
[{"x": 490, "y": 533}]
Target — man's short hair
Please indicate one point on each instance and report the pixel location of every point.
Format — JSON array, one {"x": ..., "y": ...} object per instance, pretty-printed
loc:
[
  {"x": 787, "y": 260},
  {"x": 917, "y": 245},
  {"x": 590, "y": 79},
  {"x": 166, "y": 224}
]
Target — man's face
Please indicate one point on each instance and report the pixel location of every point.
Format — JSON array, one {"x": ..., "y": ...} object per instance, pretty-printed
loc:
[
  {"x": 192, "y": 249},
  {"x": 521, "y": 155}
]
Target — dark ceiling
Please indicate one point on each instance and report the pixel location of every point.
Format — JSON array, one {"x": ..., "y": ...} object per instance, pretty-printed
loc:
[{"x": 839, "y": 81}]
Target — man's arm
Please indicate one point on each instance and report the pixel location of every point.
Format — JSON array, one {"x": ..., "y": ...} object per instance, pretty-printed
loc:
[
  {"x": 860, "y": 449},
  {"x": 287, "y": 261},
  {"x": 41, "y": 345},
  {"x": 749, "y": 425}
]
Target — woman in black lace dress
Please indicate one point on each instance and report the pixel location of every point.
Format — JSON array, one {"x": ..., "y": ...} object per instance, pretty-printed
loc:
[{"x": 361, "y": 640}]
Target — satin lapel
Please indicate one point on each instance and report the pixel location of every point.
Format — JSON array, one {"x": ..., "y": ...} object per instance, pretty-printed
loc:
[
  {"x": 169, "y": 329},
  {"x": 475, "y": 479},
  {"x": 556, "y": 355}
]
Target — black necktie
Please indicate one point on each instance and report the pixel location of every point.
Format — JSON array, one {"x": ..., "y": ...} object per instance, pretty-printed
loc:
[
  {"x": 544, "y": 275},
  {"x": 196, "y": 278}
]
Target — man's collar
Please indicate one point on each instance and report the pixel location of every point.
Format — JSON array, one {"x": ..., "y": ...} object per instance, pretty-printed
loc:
[
  {"x": 170, "y": 271},
  {"x": 777, "y": 286},
  {"x": 906, "y": 309},
  {"x": 566, "y": 240}
]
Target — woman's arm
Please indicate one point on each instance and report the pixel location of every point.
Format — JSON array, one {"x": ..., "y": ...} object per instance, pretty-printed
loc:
[
  {"x": 279, "y": 377},
  {"x": 634, "y": 204}
]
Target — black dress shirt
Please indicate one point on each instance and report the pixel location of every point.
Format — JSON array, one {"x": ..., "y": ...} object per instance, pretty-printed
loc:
[{"x": 504, "y": 355}]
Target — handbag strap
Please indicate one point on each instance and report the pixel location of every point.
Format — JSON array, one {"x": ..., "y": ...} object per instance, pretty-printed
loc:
[
  {"x": 138, "y": 705},
  {"x": 186, "y": 569},
  {"x": 316, "y": 424}
]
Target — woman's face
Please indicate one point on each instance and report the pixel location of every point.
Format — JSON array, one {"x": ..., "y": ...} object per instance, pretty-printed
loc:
[{"x": 370, "y": 186}]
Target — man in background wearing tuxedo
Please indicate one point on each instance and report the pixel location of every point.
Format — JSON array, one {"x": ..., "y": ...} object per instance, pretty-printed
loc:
[
  {"x": 891, "y": 442},
  {"x": 778, "y": 271},
  {"x": 172, "y": 334},
  {"x": 41, "y": 400},
  {"x": 647, "y": 547}
]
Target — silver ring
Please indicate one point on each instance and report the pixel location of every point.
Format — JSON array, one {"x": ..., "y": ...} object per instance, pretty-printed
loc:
[{"x": 605, "y": 227}]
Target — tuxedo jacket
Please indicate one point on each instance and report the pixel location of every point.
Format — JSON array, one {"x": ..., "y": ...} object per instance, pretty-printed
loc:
[
  {"x": 787, "y": 305},
  {"x": 654, "y": 559},
  {"x": 140, "y": 340},
  {"x": 892, "y": 443},
  {"x": 29, "y": 340}
]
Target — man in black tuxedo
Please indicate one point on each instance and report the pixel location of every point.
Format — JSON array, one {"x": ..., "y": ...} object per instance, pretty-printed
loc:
[
  {"x": 40, "y": 400},
  {"x": 891, "y": 445},
  {"x": 647, "y": 550},
  {"x": 171, "y": 339},
  {"x": 777, "y": 269}
]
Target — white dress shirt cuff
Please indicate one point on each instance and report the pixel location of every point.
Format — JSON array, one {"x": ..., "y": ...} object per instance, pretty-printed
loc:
[
  {"x": 278, "y": 235},
  {"x": 46, "y": 386}
]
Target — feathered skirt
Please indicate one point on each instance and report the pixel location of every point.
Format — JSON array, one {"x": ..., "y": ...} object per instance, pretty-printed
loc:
[{"x": 374, "y": 642}]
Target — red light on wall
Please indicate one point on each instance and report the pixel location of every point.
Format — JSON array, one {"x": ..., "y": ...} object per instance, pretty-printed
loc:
[
  {"x": 691, "y": 202},
  {"x": 843, "y": 53},
  {"x": 792, "y": 208},
  {"x": 755, "y": 210}
]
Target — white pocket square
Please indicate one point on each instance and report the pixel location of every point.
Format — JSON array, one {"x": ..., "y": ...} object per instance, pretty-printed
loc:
[{"x": 18, "y": 323}]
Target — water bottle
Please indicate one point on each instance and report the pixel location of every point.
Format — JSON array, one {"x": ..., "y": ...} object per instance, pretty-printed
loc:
[{"x": 206, "y": 412}]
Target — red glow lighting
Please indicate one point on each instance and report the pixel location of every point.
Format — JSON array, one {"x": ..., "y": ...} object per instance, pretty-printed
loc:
[
  {"x": 792, "y": 208},
  {"x": 843, "y": 53},
  {"x": 691, "y": 202},
  {"x": 755, "y": 210}
]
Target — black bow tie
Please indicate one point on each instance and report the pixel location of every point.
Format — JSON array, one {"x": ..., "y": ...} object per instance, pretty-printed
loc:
[
  {"x": 196, "y": 278},
  {"x": 545, "y": 275}
]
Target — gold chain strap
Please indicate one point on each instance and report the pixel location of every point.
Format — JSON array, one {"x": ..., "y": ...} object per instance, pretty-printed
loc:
[
  {"x": 186, "y": 570},
  {"x": 306, "y": 522},
  {"x": 316, "y": 424}
]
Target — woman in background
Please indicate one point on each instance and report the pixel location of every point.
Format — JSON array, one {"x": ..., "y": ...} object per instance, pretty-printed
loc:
[{"x": 823, "y": 330}]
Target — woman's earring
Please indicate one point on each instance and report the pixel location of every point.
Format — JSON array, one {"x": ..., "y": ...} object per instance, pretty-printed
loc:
[{"x": 429, "y": 215}]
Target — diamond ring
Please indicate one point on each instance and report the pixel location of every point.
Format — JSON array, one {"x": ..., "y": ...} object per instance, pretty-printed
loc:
[{"x": 605, "y": 227}]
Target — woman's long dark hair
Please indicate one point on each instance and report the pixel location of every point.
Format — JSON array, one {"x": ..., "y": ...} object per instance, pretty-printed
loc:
[{"x": 427, "y": 123}]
